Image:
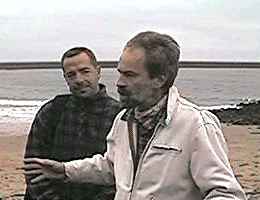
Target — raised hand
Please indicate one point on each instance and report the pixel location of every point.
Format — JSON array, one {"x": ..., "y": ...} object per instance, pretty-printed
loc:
[{"x": 43, "y": 169}]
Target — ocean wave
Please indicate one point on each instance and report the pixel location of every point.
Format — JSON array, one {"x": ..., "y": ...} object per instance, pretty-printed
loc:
[
  {"x": 18, "y": 113},
  {"x": 21, "y": 103},
  {"x": 219, "y": 107},
  {"x": 25, "y": 110},
  {"x": 19, "y": 110},
  {"x": 244, "y": 101},
  {"x": 249, "y": 100}
]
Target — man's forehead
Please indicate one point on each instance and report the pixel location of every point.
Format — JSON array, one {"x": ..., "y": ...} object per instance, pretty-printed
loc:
[
  {"x": 132, "y": 60},
  {"x": 78, "y": 65},
  {"x": 137, "y": 52},
  {"x": 79, "y": 68},
  {"x": 132, "y": 55},
  {"x": 79, "y": 58}
]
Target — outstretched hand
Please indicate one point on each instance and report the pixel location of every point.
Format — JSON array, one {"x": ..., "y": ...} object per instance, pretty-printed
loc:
[{"x": 43, "y": 169}]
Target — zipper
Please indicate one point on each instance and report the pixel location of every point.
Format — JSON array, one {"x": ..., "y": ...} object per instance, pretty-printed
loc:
[{"x": 141, "y": 159}]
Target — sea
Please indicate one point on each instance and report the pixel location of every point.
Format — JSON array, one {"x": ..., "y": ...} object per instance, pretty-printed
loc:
[{"x": 24, "y": 91}]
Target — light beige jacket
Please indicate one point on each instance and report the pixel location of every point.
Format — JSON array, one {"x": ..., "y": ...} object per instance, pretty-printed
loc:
[{"x": 186, "y": 159}]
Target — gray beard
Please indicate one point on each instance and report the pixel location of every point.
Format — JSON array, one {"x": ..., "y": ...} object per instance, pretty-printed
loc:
[{"x": 127, "y": 102}]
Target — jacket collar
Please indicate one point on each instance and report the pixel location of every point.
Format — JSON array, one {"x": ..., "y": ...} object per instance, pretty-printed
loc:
[{"x": 173, "y": 96}]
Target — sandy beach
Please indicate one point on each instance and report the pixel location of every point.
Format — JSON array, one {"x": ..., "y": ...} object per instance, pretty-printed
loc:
[{"x": 243, "y": 143}]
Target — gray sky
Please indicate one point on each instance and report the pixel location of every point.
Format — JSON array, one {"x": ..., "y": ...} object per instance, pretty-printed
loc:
[{"x": 221, "y": 30}]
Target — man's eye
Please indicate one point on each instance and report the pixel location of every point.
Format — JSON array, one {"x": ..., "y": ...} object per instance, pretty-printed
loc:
[
  {"x": 85, "y": 71},
  {"x": 130, "y": 74},
  {"x": 70, "y": 75}
]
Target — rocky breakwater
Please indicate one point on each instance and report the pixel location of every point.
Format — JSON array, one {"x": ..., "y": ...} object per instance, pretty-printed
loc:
[{"x": 244, "y": 114}]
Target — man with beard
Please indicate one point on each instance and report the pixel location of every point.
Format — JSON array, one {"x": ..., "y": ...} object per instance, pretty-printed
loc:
[
  {"x": 73, "y": 126},
  {"x": 160, "y": 146}
]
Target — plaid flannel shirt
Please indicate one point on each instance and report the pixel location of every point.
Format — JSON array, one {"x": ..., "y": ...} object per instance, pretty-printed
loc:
[{"x": 68, "y": 128}]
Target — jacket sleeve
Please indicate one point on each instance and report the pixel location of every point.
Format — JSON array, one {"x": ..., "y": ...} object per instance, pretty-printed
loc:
[
  {"x": 210, "y": 167},
  {"x": 38, "y": 145},
  {"x": 97, "y": 169}
]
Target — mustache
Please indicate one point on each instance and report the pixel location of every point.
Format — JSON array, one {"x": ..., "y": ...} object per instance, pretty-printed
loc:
[
  {"x": 77, "y": 88},
  {"x": 123, "y": 92},
  {"x": 80, "y": 86}
]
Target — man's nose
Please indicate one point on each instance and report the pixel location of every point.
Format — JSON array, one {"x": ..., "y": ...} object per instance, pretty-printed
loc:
[
  {"x": 78, "y": 78},
  {"x": 121, "y": 82}
]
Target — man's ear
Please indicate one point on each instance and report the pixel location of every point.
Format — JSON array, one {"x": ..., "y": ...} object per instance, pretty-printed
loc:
[
  {"x": 64, "y": 76},
  {"x": 98, "y": 67},
  {"x": 159, "y": 81}
]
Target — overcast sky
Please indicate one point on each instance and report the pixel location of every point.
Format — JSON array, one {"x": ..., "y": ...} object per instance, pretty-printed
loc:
[{"x": 222, "y": 30}]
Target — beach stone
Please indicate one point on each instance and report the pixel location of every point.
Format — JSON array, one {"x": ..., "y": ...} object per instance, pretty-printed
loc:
[
  {"x": 243, "y": 164},
  {"x": 255, "y": 133}
]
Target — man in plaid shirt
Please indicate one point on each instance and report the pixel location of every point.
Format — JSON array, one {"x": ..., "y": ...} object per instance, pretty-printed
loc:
[{"x": 73, "y": 126}]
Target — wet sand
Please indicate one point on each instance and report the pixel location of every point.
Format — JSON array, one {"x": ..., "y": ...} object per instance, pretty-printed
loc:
[
  {"x": 243, "y": 143},
  {"x": 244, "y": 155},
  {"x": 12, "y": 143}
]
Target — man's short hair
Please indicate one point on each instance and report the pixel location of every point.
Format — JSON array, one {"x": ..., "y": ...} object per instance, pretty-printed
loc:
[
  {"x": 76, "y": 51},
  {"x": 162, "y": 54}
]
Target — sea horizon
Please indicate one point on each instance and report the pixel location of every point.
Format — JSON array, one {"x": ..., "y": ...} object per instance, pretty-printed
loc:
[{"x": 112, "y": 64}]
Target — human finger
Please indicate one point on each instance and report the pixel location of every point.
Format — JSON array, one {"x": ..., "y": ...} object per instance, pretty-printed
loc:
[
  {"x": 33, "y": 160},
  {"x": 27, "y": 167},
  {"x": 38, "y": 179},
  {"x": 33, "y": 172}
]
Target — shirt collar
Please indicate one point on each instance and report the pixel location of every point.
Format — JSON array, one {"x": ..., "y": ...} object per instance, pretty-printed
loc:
[{"x": 150, "y": 117}]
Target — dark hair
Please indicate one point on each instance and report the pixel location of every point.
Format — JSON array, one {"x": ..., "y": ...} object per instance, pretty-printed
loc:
[
  {"x": 76, "y": 51},
  {"x": 162, "y": 54}
]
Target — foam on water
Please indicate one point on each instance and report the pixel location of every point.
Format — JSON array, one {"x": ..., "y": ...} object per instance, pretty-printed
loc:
[
  {"x": 220, "y": 107},
  {"x": 10, "y": 102},
  {"x": 24, "y": 111},
  {"x": 18, "y": 110}
]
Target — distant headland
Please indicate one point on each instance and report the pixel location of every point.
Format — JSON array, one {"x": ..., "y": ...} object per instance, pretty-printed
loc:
[{"x": 112, "y": 64}]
